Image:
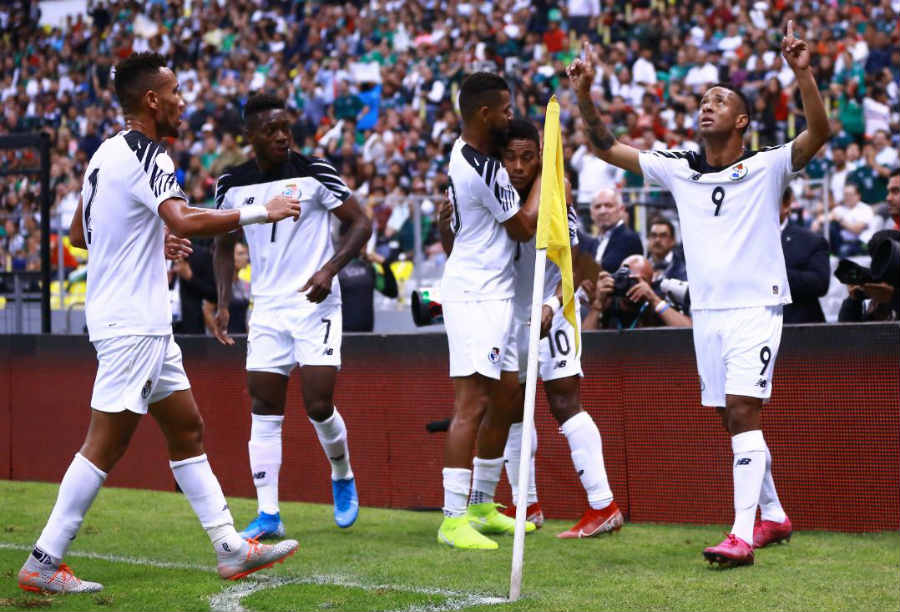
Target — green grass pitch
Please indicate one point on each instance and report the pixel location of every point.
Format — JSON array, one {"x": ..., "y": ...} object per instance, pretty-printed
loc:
[{"x": 150, "y": 552}]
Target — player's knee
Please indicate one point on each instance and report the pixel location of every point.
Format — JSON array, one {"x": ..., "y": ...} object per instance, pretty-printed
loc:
[
  {"x": 319, "y": 409},
  {"x": 740, "y": 417},
  {"x": 187, "y": 440},
  {"x": 263, "y": 405},
  {"x": 564, "y": 407}
]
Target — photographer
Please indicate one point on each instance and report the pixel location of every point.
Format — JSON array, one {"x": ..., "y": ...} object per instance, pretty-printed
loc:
[
  {"x": 626, "y": 300},
  {"x": 870, "y": 300}
]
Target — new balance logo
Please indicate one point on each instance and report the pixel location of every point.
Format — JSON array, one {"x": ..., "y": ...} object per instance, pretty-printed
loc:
[
  {"x": 696, "y": 177},
  {"x": 338, "y": 458},
  {"x": 560, "y": 364},
  {"x": 226, "y": 547},
  {"x": 41, "y": 556},
  {"x": 329, "y": 351},
  {"x": 743, "y": 461},
  {"x": 580, "y": 472},
  {"x": 259, "y": 475},
  {"x": 248, "y": 201},
  {"x": 762, "y": 383}
]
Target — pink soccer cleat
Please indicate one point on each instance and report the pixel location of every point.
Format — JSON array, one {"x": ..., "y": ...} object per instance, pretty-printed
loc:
[
  {"x": 770, "y": 532},
  {"x": 595, "y": 522},
  {"x": 733, "y": 551}
]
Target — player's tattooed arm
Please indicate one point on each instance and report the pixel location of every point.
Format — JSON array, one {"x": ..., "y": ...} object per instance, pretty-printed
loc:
[
  {"x": 318, "y": 286},
  {"x": 603, "y": 143},
  {"x": 797, "y": 54}
]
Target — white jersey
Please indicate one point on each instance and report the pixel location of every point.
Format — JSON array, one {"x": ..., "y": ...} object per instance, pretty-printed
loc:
[
  {"x": 286, "y": 254},
  {"x": 127, "y": 179},
  {"x": 524, "y": 262},
  {"x": 481, "y": 264},
  {"x": 729, "y": 224}
]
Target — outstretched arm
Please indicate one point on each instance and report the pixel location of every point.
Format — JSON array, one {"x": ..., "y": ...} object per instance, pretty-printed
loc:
[
  {"x": 797, "y": 54},
  {"x": 604, "y": 145}
]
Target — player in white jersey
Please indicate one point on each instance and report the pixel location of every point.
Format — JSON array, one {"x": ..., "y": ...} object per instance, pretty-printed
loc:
[
  {"x": 296, "y": 316},
  {"x": 476, "y": 291},
  {"x": 559, "y": 364},
  {"x": 129, "y": 195},
  {"x": 728, "y": 205}
]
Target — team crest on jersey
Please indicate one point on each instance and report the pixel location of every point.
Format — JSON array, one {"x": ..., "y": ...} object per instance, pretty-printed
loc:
[
  {"x": 291, "y": 191},
  {"x": 165, "y": 163},
  {"x": 739, "y": 172},
  {"x": 145, "y": 392},
  {"x": 494, "y": 356}
]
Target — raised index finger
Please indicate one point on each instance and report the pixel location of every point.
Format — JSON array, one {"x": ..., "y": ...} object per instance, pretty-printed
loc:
[{"x": 790, "y": 28}]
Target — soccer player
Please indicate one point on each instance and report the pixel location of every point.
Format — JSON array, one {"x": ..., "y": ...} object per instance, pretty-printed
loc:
[
  {"x": 559, "y": 364},
  {"x": 129, "y": 195},
  {"x": 296, "y": 316},
  {"x": 728, "y": 202},
  {"x": 476, "y": 291}
]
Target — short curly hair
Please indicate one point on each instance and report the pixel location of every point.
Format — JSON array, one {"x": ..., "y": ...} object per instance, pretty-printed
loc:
[{"x": 132, "y": 78}]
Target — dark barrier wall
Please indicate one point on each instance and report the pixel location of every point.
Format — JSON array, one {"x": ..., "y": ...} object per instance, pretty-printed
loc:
[{"x": 833, "y": 425}]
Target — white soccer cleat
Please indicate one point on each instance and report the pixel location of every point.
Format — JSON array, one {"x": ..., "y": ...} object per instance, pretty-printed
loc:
[
  {"x": 40, "y": 577},
  {"x": 253, "y": 556}
]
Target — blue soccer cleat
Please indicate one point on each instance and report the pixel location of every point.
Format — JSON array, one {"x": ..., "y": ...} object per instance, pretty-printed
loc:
[
  {"x": 264, "y": 526},
  {"x": 346, "y": 502}
]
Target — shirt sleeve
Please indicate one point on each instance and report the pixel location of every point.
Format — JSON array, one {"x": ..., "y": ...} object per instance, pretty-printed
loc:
[
  {"x": 573, "y": 225},
  {"x": 156, "y": 183},
  {"x": 498, "y": 195},
  {"x": 223, "y": 202},
  {"x": 332, "y": 190},
  {"x": 657, "y": 167}
]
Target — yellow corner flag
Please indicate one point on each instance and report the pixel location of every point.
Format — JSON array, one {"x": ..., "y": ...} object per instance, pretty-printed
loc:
[{"x": 553, "y": 223}]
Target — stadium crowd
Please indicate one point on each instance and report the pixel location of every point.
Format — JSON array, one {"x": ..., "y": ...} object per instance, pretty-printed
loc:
[{"x": 372, "y": 85}]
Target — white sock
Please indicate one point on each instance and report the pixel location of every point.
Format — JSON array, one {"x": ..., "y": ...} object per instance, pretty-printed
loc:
[
  {"x": 76, "y": 493},
  {"x": 485, "y": 476},
  {"x": 512, "y": 454},
  {"x": 265, "y": 459},
  {"x": 586, "y": 447},
  {"x": 749, "y": 467},
  {"x": 332, "y": 434},
  {"x": 201, "y": 487},
  {"x": 456, "y": 491},
  {"x": 769, "y": 506}
]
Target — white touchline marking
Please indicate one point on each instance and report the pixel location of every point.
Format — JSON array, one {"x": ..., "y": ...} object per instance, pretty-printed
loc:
[{"x": 229, "y": 600}]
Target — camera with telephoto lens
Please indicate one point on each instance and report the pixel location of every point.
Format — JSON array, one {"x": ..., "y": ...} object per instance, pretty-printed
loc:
[
  {"x": 884, "y": 247},
  {"x": 623, "y": 281},
  {"x": 674, "y": 290}
]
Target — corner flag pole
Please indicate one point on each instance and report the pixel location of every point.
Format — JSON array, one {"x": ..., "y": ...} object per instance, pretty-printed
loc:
[{"x": 518, "y": 558}]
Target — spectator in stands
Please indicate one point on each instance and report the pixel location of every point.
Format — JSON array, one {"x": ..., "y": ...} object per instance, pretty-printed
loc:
[
  {"x": 849, "y": 223},
  {"x": 870, "y": 177},
  {"x": 664, "y": 255},
  {"x": 615, "y": 240},
  {"x": 196, "y": 283},
  {"x": 594, "y": 174},
  {"x": 359, "y": 280},
  {"x": 626, "y": 308},
  {"x": 839, "y": 172},
  {"x": 808, "y": 269}
]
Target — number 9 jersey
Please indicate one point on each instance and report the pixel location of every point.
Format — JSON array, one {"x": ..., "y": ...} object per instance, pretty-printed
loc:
[{"x": 729, "y": 224}]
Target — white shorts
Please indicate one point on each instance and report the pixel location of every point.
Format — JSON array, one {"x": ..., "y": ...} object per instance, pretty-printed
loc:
[
  {"x": 134, "y": 372},
  {"x": 480, "y": 337},
  {"x": 557, "y": 356},
  {"x": 281, "y": 338},
  {"x": 736, "y": 350}
]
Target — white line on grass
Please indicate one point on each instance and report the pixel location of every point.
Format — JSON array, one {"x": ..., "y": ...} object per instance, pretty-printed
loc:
[{"x": 229, "y": 600}]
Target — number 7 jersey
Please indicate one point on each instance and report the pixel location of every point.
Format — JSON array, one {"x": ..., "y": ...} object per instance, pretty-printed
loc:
[
  {"x": 730, "y": 226},
  {"x": 284, "y": 255}
]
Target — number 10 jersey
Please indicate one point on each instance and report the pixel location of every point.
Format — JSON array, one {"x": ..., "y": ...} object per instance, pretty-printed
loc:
[{"x": 730, "y": 226}]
